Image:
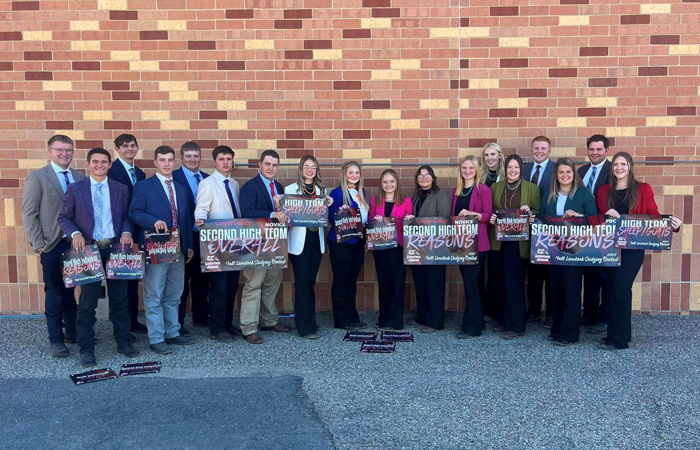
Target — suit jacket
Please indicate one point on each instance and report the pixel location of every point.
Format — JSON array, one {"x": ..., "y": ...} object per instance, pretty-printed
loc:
[
  {"x": 41, "y": 203},
  {"x": 180, "y": 178},
  {"x": 545, "y": 178},
  {"x": 149, "y": 204},
  {"x": 213, "y": 202},
  {"x": 582, "y": 202},
  {"x": 398, "y": 212},
  {"x": 78, "y": 213},
  {"x": 337, "y": 195},
  {"x": 297, "y": 235},
  {"x": 255, "y": 198},
  {"x": 436, "y": 205},
  {"x": 603, "y": 176},
  {"x": 118, "y": 173},
  {"x": 530, "y": 196},
  {"x": 480, "y": 202}
]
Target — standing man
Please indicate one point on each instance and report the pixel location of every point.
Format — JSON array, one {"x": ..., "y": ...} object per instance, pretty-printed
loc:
[
  {"x": 539, "y": 172},
  {"x": 95, "y": 211},
  {"x": 261, "y": 286},
  {"x": 189, "y": 176},
  {"x": 161, "y": 204},
  {"x": 41, "y": 202},
  {"x": 218, "y": 198},
  {"x": 594, "y": 174},
  {"x": 125, "y": 172}
]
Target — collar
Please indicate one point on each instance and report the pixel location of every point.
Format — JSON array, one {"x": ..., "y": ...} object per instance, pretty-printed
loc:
[
  {"x": 189, "y": 173},
  {"x": 94, "y": 182},
  {"x": 127, "y": 166},
  {"x": 220, "y": 177},
  {"x": 162, "y": 178},
  {"x": 599, "y": 165},
  {"x": 265, "y": 180},
  {"x": 56, "y": 168},
  {"x": 543, "y": 164}
]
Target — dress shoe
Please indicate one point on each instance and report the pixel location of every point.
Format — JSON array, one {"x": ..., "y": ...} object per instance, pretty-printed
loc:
[
  {"x": 385, "y": 328},
  {"x": 222, "y": 337},
  {"x": 464, "y": 335},
  {"x": 278, "y": 328},
  {"x": 598, "y": 328},
  {"x": 59, "y": 350},
  {"x": 199, "y": 324},
  {"x": 234, "y": 330},
  {"x": 88, "y": 359},
  {"x": 184, "y": 332},
  {"x": 254, "y": 339},
  {"x": 562, "y": 343},
  {"x": 548, "y": 322},
  {"x": 162, "y": 348},
  {"x": 70, "y": 339},
  {"x": 310, "y": 336},
  {"x": 533, "y": 318},
  {"x": 551, "y": 338},
  {"x": 587, "y": 322},
  {"x": 128, "y": 350},
  {"x": 611, "y": 347},
  {"x": 498, "y": 329},
  {"x": 360, "y": 325},
  {"x": 138, "y": 328},
  {"x": 603, "y": 340},
  {"x": 180, "y": 340},
  {"x": 350, "y": 327},
  {"x": 132, "y": 338},
  {"x": 426, "y": 329},
  {"x": 511, "y": 335}
]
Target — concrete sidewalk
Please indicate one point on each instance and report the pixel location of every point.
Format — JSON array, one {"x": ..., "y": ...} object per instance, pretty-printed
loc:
[{"x": 438, "y": 392}]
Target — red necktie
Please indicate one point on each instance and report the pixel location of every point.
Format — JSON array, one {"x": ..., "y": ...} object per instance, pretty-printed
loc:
[
  {"x": 173, "y": 209},
  {"x": 272, "y": 190}
]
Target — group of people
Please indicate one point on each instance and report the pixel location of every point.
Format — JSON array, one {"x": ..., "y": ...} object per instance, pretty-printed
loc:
[{"x": 116, "y": 203}]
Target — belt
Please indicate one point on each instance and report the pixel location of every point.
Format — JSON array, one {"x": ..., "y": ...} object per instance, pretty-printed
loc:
[
  {"x": 103, "y": 243},
  {"x": 67, "y": 239}
]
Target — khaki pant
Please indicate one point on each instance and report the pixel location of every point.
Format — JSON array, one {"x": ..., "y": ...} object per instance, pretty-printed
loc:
[{"x": 259, "y": 285}]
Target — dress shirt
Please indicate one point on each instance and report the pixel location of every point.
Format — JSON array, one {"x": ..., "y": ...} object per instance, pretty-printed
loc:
[
  {"x": 61, "y": 178},
  {"x": 221, "y": 179},
  {"x": 542, "y": 166},
  {"x": 598, "y": 168},
  {"x": 128, "y": 167},
  {"x": 561, "y": 204},
  {"x": 107, "y": 225},
  {"x": 165, "y": 187},
  {"x": 364, "y": 209},
  {"x": 267, "y": 182},
  {"x": 192, "y": 180}
]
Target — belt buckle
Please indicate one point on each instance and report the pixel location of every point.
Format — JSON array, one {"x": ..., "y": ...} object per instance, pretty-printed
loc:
[{"x": 103, "y": 243}]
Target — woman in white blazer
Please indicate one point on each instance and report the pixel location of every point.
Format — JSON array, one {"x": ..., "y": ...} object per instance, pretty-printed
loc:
[{"x": 306, "y": 247}]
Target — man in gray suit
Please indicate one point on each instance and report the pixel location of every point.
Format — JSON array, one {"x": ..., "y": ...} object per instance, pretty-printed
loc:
[{"x": 41, "y": 203}]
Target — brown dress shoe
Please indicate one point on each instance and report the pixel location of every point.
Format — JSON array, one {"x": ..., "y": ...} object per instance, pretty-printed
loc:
[
  {"x": 254, "y": 338},
  {"x": 279, "y": 328}
]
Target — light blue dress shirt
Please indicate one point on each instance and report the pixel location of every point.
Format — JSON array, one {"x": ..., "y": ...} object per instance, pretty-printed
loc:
[
  {"x": 266, "y": 182},
  {"x": 107, "y": 225},
  {"x": 192, "y": 180},
  {"x": 61, "y": 178}
]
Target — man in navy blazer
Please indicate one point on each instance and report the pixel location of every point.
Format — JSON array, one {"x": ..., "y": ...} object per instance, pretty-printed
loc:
[
  {"x": 189, "y": 176},
  {"x": 161, "y": 204},
  {"x": 125, "y": 172},
  {"x": 260, "y": 198},
  {"x": 94, "y": 211}
]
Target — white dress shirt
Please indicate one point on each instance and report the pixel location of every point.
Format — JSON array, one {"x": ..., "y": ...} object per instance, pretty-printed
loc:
[
  {"x": 165, "y": 187},
  {"x": 542, "y": 166},
  {"x": 61, "y": 178},
  {"x": 107, "y": 225}
]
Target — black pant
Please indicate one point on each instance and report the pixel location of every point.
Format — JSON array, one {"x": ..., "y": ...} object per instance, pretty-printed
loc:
[
  {"x": 199, "y": 282},
  {"x": 346, "y": 263},
  {"x": 566, "y": 282},
  {"x": 595, "y": 291},
  {"x": 537, "y": 278},
  {"x": 510, "y": 287},
  {"x": 473, "y": 319},
  {"x": 118, "y": 311},
  {"x": 619, "y": 281},
  {"x": 430, "y": 295},
  {"x": 60, "y": 307},
  {"x": 222, "y": 296},
  {"x": 391, "y": 277},
  {"x": 305, "y": 267},
  {"x": 486, "y": 284}
]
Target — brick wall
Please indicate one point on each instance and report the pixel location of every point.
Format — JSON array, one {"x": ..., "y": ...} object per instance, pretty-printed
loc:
[{"x": 383, "y": 81}]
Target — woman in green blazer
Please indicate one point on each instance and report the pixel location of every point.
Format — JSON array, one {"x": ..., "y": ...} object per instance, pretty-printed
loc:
[
  {"x": 509, "y": 261},
  {"x": 567, "y": 197}
]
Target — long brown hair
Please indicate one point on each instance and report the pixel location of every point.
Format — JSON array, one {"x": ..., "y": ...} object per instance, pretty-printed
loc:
[
  {"x": 554, "y": 189},
  {"x": 317, "y": 181},
  {"x": 433, "y": 188},
  {"x": 632, "y": 194},
  {"x": 398, "y": 195}
]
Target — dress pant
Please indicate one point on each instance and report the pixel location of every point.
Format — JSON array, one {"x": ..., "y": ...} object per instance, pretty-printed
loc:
[
  {"x": 486, "y": 284},
  {"x": 306, "y": 265},
  {"x": 619, "y": 281},
  {"x": 118, "y": 310},
  {"x": 473, "y": 319},
  {"x": 510, "y": 287},
  {"x": 595, "y": 296},
  {"x": 222, "y": 296},
  {"x": 199, "y": 284},
  {"x": 346, "y": 264},
  {"x": 566, "y": 283},
  {"x": 430, "y": 295},
  {"x": 60, "y": 307},
  {"x": 391, "y": 277},
  {"x": 162, "y": 288},
  {"x": 537, "y": 278},
  {"x": 133, "y": 299},
  {"x": 258, "y": 299}
]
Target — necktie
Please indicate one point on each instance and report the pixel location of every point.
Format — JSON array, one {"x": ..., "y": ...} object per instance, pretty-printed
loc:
[
  {"x": 132, "y": 173},
  {"x": 272, "y": 190},
  {"x": 97, "y": 207},
  {"x": 65, "y": 175},
  {"x": 198, "y": 178},
  {"x": 536, "y": 176},
  {"x": 591, "y": 179},
  {"x": 173, "y": 209},
  {"x": 230, "y": 199}
]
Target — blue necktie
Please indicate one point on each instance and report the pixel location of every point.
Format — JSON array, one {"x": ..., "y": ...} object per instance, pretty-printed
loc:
[
  {"x": 196, "y": 175},
  {"x": 132, "y": 173},
  {"x": 97, "y": 206},
  {"x": 591, "y": 179},
  {"x": 230, "y": 199},
  {"x": 65, "y": 175}
]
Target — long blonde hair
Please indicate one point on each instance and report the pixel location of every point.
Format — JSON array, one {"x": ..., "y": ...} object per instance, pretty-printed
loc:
[
  {"x": 477, "y": 175},
  {"x": 317, "y": 181},
  {"x": 359, "y": 187},
  {"x": 501, "y": 169},
  {"x": 399, "y": 198},
  {"x": 554, "y": 188}
]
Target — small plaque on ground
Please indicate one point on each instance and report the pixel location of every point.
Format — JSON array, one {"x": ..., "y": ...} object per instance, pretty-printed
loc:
[
  {"x": 140, "y": 368},
  {"x": 93, "y": 375},
  {"x": 378, "y": 347},
  {"x": 359, "y": 336},
  {"x": 397, "y": 336}
]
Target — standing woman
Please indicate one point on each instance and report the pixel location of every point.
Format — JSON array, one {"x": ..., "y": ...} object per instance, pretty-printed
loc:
[
  {"x": 347, "y": 257},
  {"x": 509, "y": 259},
  {"x": 567, "y": 197},
  {"x": 471, "y": 197},
  {"x": 493, "y": 168},
  {"x": 391, "y": 273},
  {"x": 306, "y": 247},
  {"x": 429, "y": 201},
  {"x": 624, "y": 195}
]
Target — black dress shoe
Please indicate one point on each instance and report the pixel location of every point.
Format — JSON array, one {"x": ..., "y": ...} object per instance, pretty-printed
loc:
[
  {"x": 199, "y": 324},
  {"x": 184, "y": 332},
  {"x": 350, "y": 327},
  {"x": 161, "y": 348},
  {"x": 464, "y": 335},
  {"x": 180, "y": 340},
  {"x": 70, "y": 339},
  {"x": 222, "y": 337},
  {"x": 128, "y": 350},
  {"x": 59, "y": 350},
  {"x": 132, "y": 338},
  {"x": 138, "y": 328},
  {"x": 563, "y": 343},
  {"x": 234, "y": 330},
  {"x": 611, "y": 347},
  {"x": 360, "y": 325},
  {"x": 88, "y": 359}
]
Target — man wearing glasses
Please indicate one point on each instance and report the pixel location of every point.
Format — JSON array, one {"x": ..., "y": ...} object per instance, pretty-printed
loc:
[{"x": 41, "y": 202}]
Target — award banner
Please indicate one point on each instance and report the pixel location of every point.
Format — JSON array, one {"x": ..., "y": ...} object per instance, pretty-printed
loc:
[
  {"x": 162, "y": 247},
  {"x": 440, "y": 240},
  {"x": 576, "y": 241},
  {"x": 378, "y": 347},
  {"x": 512, "y": 225},
  {"x": 140, "y": 368},
  {"x": 397, "y": 336},
  {"x": 644, "y": 232},
  {"x": 80, "y": 268},
  {"x": 304, "y": 211},
  {"x": 124, "y": 263},
  {"x": 359, "y": 336},
  {"x": 238, "y": 244},
  {"x": 381, "y": 234},
  {"x": 348, "y": 224},
  {"x": 92, "y": 376}
]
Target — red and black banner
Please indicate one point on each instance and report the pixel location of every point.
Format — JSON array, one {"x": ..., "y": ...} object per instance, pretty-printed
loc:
[
  {"x": 305, "y": 211},
  {"x": 78, "y": 268},
  {"x": 348, "y": 225},
  {"x": 644, "y": 232},
  {"x": 440, "y": 240},
  {"x": 162, "y": 247},
  {"x": 381, "y": 234},
  {"x": 124, "y": 263},
  {"x": 512, "y": 225}
]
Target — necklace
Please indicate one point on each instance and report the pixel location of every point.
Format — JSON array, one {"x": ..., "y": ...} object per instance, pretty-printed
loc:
[
  {"x": 469, "y": 191},
  {"x": 310, "y": 191},
  {"x": 491, "y": 176},
  {"x": 514, "y": 190}
]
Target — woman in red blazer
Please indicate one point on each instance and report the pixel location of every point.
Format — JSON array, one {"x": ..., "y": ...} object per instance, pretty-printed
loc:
[
  {"x": 472, "y": 197},
  {"x": 391, "y": 273},
  {"x": 624, "y": 195}
]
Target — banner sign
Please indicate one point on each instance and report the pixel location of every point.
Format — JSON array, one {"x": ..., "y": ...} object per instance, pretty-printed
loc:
[
  {"x": 397, "y": 336},
  {"x": 80, "y": 268},
  {"x": 644, "y": 232},
  {"x": 348, "y": 224},
  {"x": 512, "y": 225},
  {"x": 238, "y": 244},
  {"x": 576, "y": 241},
  {"x": 124, "y": 264},
  {"x": 140, "y": 368},
  {"x": 440, "y": 240},
  {"x": 93, "y": 375},
  {"x": 359, "y": 336},
  {"x": 305, "y": 211},
  {"x": 381, "y": 234},
  {"x": 378, "y": 347},
  {"x": 162, "y": 247}
]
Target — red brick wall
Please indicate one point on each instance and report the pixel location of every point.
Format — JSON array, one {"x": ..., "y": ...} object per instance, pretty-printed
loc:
[{"x": 381, "y": 81}]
